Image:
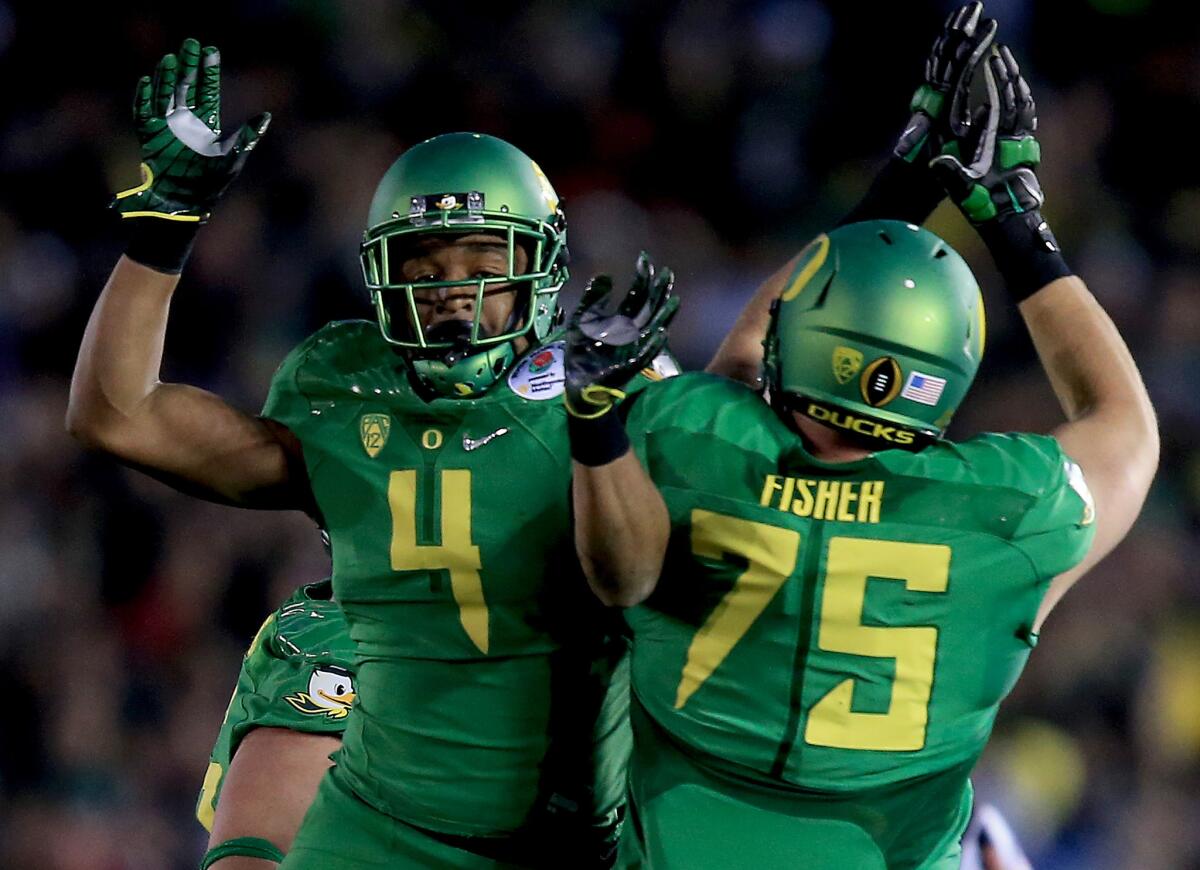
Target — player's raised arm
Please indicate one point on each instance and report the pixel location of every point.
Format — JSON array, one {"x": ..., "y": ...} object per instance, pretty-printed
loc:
[
  {"x": 186, "y": 436},
  {"x": 621, "y": 521},
  {"x": 903, "y": 190},
  {"x": 1111, "y": 431}
]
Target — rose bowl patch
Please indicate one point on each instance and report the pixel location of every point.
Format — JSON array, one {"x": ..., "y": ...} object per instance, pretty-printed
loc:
[{"x": 539, "y": 375}]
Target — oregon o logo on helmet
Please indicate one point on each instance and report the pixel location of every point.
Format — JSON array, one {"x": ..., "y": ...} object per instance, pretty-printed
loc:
[
  {"x": 880, "y": 382},
  {"x": 861, "y": 425}
]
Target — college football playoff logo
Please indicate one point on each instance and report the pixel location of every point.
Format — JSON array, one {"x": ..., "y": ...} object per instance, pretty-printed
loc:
[
  {"x": 374, "y": 429},
  {"x": 880, "y": 381},
  {"x": 846, "y": 363}
]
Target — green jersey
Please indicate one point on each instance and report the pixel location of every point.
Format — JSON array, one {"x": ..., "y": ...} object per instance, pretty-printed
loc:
[
  {"x": 296, "y": 674},
  {"x": 489, "y": 685},
  {"x": 842, "y": 634}
]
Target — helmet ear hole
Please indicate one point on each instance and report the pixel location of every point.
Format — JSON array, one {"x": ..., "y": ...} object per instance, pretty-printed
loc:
[
  {"x": 886, "y": 238},
  {"x": 939, "y": 253}
]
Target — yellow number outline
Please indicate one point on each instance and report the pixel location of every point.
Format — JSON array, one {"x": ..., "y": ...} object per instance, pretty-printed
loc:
[
  {"x": 766, "y": 548},
  {"x": 457, "y": 554}
]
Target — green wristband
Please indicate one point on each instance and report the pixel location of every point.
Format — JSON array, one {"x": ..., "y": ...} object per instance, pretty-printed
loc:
[{"x": 247, "y": 847}]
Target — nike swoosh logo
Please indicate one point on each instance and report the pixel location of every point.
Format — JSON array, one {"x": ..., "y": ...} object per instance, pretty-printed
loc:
[{"x": 470, "y": 444}]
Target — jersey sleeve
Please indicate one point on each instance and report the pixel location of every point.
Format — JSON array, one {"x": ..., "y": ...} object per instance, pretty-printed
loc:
[
  {"x": 298, "y": 673},
  {"x": 1057, "y": 531},
  {"x": 661, "y": 367}
]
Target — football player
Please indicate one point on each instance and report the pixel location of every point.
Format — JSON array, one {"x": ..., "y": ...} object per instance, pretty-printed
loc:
[
  {"x": 490, "y": 724},
  {"x": 832, "y": 598},
  {"x": 285, "y": 718}
]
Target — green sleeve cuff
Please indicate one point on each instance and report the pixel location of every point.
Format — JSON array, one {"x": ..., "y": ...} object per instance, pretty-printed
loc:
[{"x": 248, "y": 847}]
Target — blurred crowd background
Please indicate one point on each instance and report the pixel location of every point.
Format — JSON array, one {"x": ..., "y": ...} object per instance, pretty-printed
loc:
[{"x": 719, "y": 135}]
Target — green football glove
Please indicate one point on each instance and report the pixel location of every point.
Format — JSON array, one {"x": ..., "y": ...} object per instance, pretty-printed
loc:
[
  {"x": 999, "y": 191},
  {"x": 904, "y": 189},
  {"x": 186, "y": 164},
  {"x": 605, "y": 348}
]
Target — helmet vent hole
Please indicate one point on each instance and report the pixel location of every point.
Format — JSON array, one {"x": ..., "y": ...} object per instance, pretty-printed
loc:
[
  {"x": 939, "y": 253},
  {"x": 824, "y": 292},
  {"x": 886, "y": 238}
]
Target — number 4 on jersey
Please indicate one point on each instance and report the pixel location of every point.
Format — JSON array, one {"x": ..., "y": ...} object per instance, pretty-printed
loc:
[{"x": 456, "y": 554}]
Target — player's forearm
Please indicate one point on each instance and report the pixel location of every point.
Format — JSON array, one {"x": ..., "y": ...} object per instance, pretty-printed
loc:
[
  {"x": 621, "y": 529},
  {"x": 187, "y": 437},
  {"x": 1094, "y": 376},
  {"x": 121, "y": 353},
  {"x": 740, "y": 355}
]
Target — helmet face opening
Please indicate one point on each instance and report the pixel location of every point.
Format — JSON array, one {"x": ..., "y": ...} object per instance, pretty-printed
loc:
[{"x": 400, "y": 305}]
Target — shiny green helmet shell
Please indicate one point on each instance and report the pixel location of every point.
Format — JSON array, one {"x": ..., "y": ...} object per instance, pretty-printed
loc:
[
  {"x": 465, "y": 183},
  {"x": 879, "y": 331}
]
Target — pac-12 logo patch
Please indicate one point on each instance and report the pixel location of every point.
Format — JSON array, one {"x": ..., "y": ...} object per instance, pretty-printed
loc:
[
  {"x": 374, "y": 429},
  {"x": 539, "y": 376},
  {"x": 880, "y": 382},
  {"x": 846, "y": 363},
  {"x": 330, "y": 693}
]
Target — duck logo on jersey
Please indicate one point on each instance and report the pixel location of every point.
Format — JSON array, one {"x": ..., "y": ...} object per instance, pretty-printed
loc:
[
  {"x": 374, "y": 429},
  {"x": 539, "y": 376},
  {"x": 880, "y": 382},
  {"x": 846, "y": 363},
  {"x": 330, "y": 693}
]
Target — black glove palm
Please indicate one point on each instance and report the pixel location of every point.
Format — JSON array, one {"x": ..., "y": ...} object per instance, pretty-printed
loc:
[{"x": 606, "y": 347}]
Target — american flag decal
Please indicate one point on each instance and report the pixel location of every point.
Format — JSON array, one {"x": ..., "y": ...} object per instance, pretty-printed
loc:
[{"x": 922, "y": 388}]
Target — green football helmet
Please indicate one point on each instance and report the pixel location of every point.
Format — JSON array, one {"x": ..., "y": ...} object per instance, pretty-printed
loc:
[
  {"x": 464, "y": 183},
  {"x": 879, "y": 332}
]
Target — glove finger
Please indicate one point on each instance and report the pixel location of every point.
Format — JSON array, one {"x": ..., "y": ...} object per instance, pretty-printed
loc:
[
  {"x": 1026, "y": 121},
  {"x": 1008, "y": 99},
  {"x": 185, "y": 78},
  {"x": 968, "y": 17},
  {"x": 164, "y": 85},
  {"x": 654, "y": 335},
  {"x": 643, "y": 275},
  {"x": 985, "y": 148},
  {"x": 251, "y": 132},
  {"x": 208, "y": 93},
  {"x": 1024, "y": 108},
  {"x": 981, "y": 42},
  {"x": 594, "y": 295},
  {"x": 949, "y": 172},
  {"x": 142, "y": 104},
  {"x": 660, "y": 291},
  {"x": 933, "y": 61}
]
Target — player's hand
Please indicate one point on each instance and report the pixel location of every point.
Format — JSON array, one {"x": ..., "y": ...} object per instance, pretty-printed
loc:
[
  {"x": 964, "y": 42},
  {"x": 186, "y": 163},
  {"x": 1003, "y": 182},
  {"x": 608, "y": 344}
]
